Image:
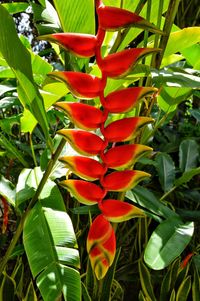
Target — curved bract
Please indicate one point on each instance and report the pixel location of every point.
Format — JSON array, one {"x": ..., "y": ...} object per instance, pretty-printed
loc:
[
  {"x": 82, "y": 115},
  {"x": 124, "y": 129},
  {"x": 121, "y": 63},
  {"x": 82, "y": 85},
  {"x": 122, "y": 101},
  {"x": 82, "y": 45},
  {"x": 101, "y": 143}
]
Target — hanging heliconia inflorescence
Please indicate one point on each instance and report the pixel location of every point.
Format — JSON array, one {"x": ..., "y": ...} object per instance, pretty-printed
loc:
[{"x": 101, "y": 241}]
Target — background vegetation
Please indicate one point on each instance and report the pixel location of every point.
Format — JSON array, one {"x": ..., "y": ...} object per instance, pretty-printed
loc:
[{"x": 29, "y": 149}]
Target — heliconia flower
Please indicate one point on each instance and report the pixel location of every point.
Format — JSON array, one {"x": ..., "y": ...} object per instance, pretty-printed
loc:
[
  {"x": 114, "y": 18},
  {"x": 99, "y": 232},
  {"x": 124, "y": 129},
  {"x": 85, "y": 192},
  {"x": 84, "y": 167},
  {"x": 82, "y": 45},
  {"x": 121, "y": 63},
  {"x": 125, "y": 155},
  {"x": 82, "y": 85},
  {"x": 84, "y": 142},
  {"x": 123, "y": 180},
  {"x": 116, "y": 211},
  {"x": 124, "y": 100},
  {"x": 82, "y": 115},
  {"x": 101, "y": 246}
]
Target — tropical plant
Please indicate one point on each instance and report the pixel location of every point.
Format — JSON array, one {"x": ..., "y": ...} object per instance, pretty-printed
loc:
[{"x": 114, "y": 111}]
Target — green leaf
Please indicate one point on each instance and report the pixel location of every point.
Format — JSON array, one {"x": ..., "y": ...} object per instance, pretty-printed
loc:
[
  {"x": 27, "y": 184},
  {"x": 145, "y": 198},
  {"x": 188, "y": 154},
  {"x": 195, "y": 113},
  {"x": 50, "y": 242},
  {"x": 166, "y": 171},
  {"x": 184, "y": 289},
  {"x": 7, "y": 190},
  {"x": 76, "y": 16},
  {"x": 15, "y": 53},
  {"x": 170, "y": 97},
  {"x": 145, "y": 280},
  {"x": 167, "y": 242},
  {"x": 187, "y": 176},
  {"x": 181, "y": 39},
  {"x": 14, "y": 8},
  {"x": 175, "y": 77},
  {"x": 192, "y": 55}
]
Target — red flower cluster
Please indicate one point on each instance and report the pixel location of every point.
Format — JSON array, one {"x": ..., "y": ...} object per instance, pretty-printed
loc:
[{"x": 101, "y": 242}]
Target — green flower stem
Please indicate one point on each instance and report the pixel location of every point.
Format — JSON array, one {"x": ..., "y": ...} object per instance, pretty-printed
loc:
[
  {"x": 31, "y": 205},
  {"x": 122, "y": 34},
  {"x": 169, "y": 20}
]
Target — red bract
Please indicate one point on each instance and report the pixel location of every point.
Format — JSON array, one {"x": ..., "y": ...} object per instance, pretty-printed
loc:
[
  {"x": 124, "y": 100},
  {"x": 84, "y": 142},
  {"x": 123, "y": 180},
  {"x": 82, "y": 115},
  {"x": 80, "y": 44},
  {"x": 124, "y": 155},
  {"x": 101, "y": 246},
  {"x": 120, "y": 64},
  {"x": 86, "y": 168},
  {"x": 85, "y": 192},
  {"x": 117, "y": 211},
  {"x": 82, "y": 85},
  {"x": 124, "y": 129},
  {"x": 114, "y": 18}
]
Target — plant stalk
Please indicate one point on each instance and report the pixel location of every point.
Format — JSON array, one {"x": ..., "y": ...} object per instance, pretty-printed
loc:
[
  {"x": 31, "y": 205},
  {"x": 169, "y": 20}
]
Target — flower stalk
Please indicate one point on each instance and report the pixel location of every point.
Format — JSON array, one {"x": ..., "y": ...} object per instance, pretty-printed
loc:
[{"x": 112, "y": 166}]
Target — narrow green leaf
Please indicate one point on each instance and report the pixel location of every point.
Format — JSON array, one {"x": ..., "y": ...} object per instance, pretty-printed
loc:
[
  {"x": 188, "y": 154},
  {"x": 167, "y": 242},
  {"x": 184, "y": 289},
  {"x": 173, "y": 296},
  {"x": 7, "y": 190},
  {"x": 145, "y": 279},
  {"x": 85, "y": 293},
  {"x": 196, "y": 285},
  {"x": 108, "y": 280},
  {"x": 30, "y": 294},
  {"x": 168, "y": 281},
  {"x": 13, "y": 151},
  {"x": 166, "y": 171},
  {"x": 141, "y": 296},
  {"x": 7, "y": 288},
  {"x": 145, "y": 198},
  {"x": 187, "y": 176}
]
